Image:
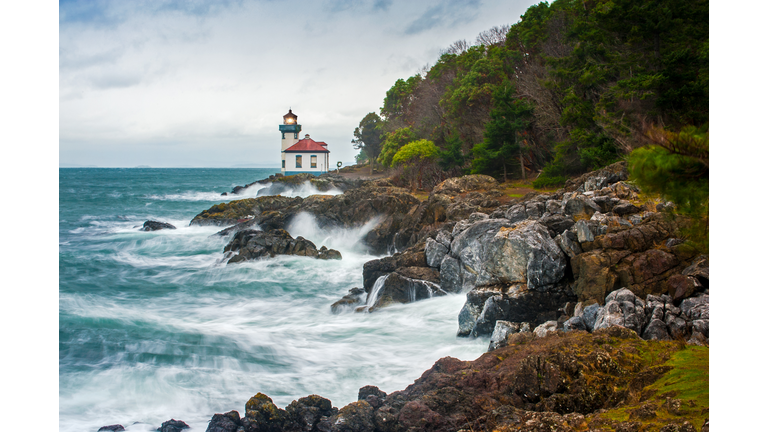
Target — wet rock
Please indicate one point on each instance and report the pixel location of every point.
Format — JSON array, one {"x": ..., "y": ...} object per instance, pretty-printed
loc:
[
  {"x": 407, "y": 285},
  {"x": 262, "y": 415},
  {"x": 173, "y": 426},
  {"x": 151, "y": 225},
  {"x": 354, "y": 298},
  {"x": 114, "y": 428},
  {"x": 355, "y": 417},
  {"x": 228, "y": 422},
  {"x": 374, "y": 269},
  {"x": 253, "y": 244},
  {"x": 305, "y": 414}
]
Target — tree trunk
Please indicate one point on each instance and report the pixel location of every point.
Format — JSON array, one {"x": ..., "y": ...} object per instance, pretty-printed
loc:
[
  {"x": 522, "y": 165},
  {"x": 505, "y": 171}
]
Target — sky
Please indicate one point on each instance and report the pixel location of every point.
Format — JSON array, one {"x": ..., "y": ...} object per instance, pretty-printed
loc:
[{"x": 206, "y": 83}]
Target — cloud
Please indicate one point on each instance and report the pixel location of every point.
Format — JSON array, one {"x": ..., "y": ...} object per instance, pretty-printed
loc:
[
  {"x": 444, "y": 14},
  {"x": 382, "y": 5}
]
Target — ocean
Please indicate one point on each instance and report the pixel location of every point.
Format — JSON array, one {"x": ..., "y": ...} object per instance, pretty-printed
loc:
[{"x": 155, "y": 325}]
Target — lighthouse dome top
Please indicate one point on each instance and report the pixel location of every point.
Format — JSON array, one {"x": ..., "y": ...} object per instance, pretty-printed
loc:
[{"x": 290, "y": 118}]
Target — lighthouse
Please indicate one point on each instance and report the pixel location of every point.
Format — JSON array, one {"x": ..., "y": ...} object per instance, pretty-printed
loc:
[{"x": 301, "y": 155}]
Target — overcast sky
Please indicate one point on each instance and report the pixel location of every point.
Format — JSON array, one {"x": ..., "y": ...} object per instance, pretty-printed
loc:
[{"x": 202, "y": 83}]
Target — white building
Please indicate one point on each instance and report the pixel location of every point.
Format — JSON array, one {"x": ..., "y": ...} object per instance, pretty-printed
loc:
[{"x": 301, "y": 155}]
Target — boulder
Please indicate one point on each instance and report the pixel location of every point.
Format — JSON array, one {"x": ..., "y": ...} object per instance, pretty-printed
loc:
[
  {"x": 173, "y": 426},
  {"x": 406, "y": 285},
  {"x": 500, "y": 333},
  {"x": 228, "y": 422},
  {"x": 574, "y": 323},
  {"x": 494, "y": 251},
  {"x": 622, "y": 308},
  {"x": 355, "y": 417},
  {"x": 435, "y": 252},
  {"x": 114, "y": 428},
  {"x": 546, "y": 328},
  {"x": 305, "y": 414},
  {"x": 262, "y": 415},
  {"x": 151, "y": 225}
]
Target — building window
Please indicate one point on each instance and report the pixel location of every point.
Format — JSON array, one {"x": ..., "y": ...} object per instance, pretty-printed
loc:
[
  {"x": 283, "y": 163},
  {"x": 283, "y": 135},
  {"x": 296, "y": 135},
  {"x": 313, "y": 161},
  {"x": 298, "y": 161}
]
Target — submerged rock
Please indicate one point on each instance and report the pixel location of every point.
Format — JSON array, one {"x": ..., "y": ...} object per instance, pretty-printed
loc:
[{"x": 113, "y": 428}]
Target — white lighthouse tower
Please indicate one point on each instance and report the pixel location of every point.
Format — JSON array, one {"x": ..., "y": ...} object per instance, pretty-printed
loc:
[{"x": 290, "y": 130}]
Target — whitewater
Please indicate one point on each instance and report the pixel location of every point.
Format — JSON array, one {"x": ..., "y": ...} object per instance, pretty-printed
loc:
[{"x": 155, "y": 325}]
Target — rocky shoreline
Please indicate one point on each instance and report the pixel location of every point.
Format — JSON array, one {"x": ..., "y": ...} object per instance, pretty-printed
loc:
[{"x": 590, "y": 296}]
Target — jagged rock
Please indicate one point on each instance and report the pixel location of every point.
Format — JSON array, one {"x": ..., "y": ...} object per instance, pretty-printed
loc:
[
  {"x": 253, "y": 244},
  {"x": 590, "y": 316},
  {"x": 228, "y": 422},
  {"x": 444, "y": 238},
  {"x": 406, "y": 285},
  {"x": 695, "y": 308},
  {"x": 450, "y": 275},
  {"x": 568, "y": 243},
  {"x": 305, "y": 414},
  {"x": 574, "y": 323},
  {"x": 557, "y": 223},
  {"x": 262, "y": 415},
  {"x": 173, "y": 426},
  {"x": 493, "y": 251},
  {"x": 372, "y": 270},
  {"x": 435, "y": 252},
  {"x": 580, "y": 207},
  {"x": 624, "y": 207},
  {"x": 486, "y": 305},
  {"x": 355, "y": 417},
  {"x": 151, "y": 225},
  {"x": 622, "y": 308},
  {"x": 463, "y": 224},
  {"x": 546, "y": 328},
  {"x": 114, "y": 428},
  {"x": 656, "y": 330},
  {"x": 500, "y": 333},
  {"x": 583, "y": 233}
]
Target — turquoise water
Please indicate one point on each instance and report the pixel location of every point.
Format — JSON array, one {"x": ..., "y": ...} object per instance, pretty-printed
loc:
[{"x": 154, "y": 325}]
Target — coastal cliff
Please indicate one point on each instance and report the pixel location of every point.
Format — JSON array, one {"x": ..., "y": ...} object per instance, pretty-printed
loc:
[{"x": 590, "y": 295}]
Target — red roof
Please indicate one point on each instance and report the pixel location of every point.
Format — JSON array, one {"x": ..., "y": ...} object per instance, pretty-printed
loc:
[{"x": 307, "y": 145}]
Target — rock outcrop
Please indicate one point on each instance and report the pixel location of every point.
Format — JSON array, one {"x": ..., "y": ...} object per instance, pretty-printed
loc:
[{"x": 253, "y": 244}]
